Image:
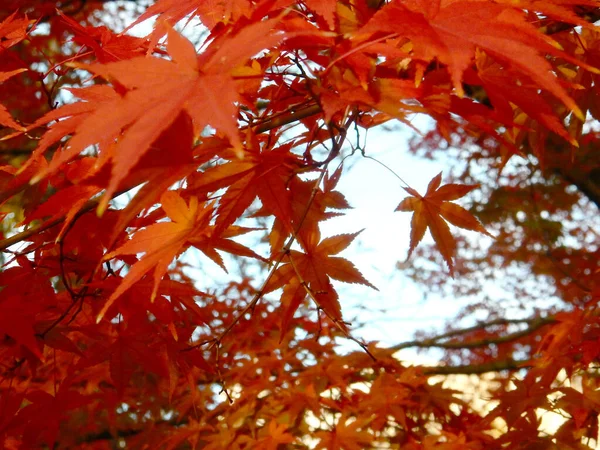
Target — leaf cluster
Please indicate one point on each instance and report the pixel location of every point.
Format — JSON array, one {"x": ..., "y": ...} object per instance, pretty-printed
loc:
[{"x": 127, "y": 161}]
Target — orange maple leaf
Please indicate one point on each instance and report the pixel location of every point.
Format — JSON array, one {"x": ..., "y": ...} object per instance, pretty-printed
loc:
[
  {"x": 277, "y": 436},
  {"x": 156, "y": 91},
  {"x": 312, "y": 272},
  {"x": 164, "y": 241},
  {"x": 300, "y": 194},
  {"x": 452, "y": 31},
  {"x": 350, "y": 434},
  {"x": 7, "y": 120},
  {"x": 325, "y": 9},
  {"x": 5, "y": 117},
  {"x": 13, "y": 30},
  {"x": 263, "y": 173},
  {"x": 210, "y": 13},
  {"x": 107, "y": 45},
  {"x": 430, "y": 211}
]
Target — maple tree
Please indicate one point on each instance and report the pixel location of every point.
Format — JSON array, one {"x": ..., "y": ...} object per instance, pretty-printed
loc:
[{"x": 244, "y": 129}]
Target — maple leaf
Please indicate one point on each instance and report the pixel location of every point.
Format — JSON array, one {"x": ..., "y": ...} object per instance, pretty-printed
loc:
[
  {"x": 157, "y": 90},
  {"x": 128, "y": 350},
  {"x": 6, "y": 75},
  {"x": 106, "y": 45},
  {"x": 503, "y": 91},
  {"x": 559, "y": 10},
  {"x": 13, "y": 30},
  {"x": 325, "y": 8},
  {"x": 350, "y": 433},
  {"x": 301, "y": 194},
  {"x": 452, "y": 31},
  {"x": 433, "y": 210},
  {"x": 210, "y": 13},
  {"x": 277, "y": 436},
  {"x": 65, "y": 203},
  {"x": 164, "y": 241},
  {"x": 19, "y": 285},
  {"x": 262, "y": 173},
  {"x": 53, "y": 410},
  {"x": 11, "y": 403},
  {"x": 7, "y": 120},
  {"x": 18, "y": 324},
  {"x": 5, "y": 117},
  {"x": 314, "y": 270},
  {"x": 148, "y": 375}
]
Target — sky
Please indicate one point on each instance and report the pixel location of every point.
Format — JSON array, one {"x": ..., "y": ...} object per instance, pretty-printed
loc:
[{"x": 395, "y": 312}]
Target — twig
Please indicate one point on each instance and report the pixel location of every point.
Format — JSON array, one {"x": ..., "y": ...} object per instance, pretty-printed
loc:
[
  {"x": 291, "y": 116},
  {"x": 534, "y": 324},
  {"x": 285, "y": 250},
  {"x": 337, "y": 322},
  {"x": 510, "y": 365}
]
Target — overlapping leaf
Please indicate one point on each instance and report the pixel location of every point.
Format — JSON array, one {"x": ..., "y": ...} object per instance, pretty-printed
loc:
[
  {"x": 452, "y": 31},
  {"x": 156, "y": 91},
  {"x": 141, "y": 380},
  {"x": 210, "y": 13},
  {"x": 314, "y": 269},
  {"x": 13, "y": 30},
  {"x": 162, "y": 242},
  {"x": 5, "y": 117},
  {"x": 262, "y": 173},
  {"x": 106, "y": 45}
]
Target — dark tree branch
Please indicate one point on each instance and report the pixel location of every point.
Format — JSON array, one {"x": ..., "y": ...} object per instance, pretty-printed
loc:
[
  {"x": 587, "y": 184},
  {"x": 15, "y": 151},
  {"x": 534, "y": 325},
  {"x": 510, "y": 365}
]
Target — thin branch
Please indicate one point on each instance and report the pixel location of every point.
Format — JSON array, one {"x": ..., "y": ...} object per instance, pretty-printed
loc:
[
  {"x": 534, "y": 324},
  {"x": 337, "y": 322},
  {"x": 286, "y": 248},
  {"x": 289, "y": 117},
  {"x": 19, "y": 237},
  {"x": 24, "y": 235},
  {"x": 510, "y": 365}
]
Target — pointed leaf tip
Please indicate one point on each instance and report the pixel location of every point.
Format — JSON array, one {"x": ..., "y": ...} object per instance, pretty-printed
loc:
[{"x": 433, "y": 211}]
